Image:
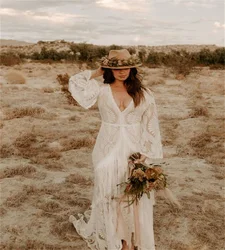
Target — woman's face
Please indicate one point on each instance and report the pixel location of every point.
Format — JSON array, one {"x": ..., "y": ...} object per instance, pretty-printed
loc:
[{"x": 121, "y": 74}]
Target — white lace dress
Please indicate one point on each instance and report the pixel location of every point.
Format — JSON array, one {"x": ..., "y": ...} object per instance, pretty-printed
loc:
[{"x": 121, "y": 134}]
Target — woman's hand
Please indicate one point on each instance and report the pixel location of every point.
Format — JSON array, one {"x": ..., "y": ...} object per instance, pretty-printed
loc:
[
  {"x": 142, "y": 159},
  {"x": 96, "y": 73}
]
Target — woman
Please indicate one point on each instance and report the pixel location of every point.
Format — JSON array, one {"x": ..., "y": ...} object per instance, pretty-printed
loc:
[{"x": 129, "y": 125}]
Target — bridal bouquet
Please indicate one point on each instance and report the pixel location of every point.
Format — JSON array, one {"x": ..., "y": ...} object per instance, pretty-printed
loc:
[{"x": 143, "y": 179}]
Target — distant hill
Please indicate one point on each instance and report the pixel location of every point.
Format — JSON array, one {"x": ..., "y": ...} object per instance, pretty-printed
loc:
[
  {"x": 10, "y": 42},
  {"x": 62, "y": 45}
]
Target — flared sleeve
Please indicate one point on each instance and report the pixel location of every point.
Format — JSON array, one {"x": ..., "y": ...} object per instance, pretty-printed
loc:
[
  {"x": 84, "y": 90},
  {"x": 151, "y": 145}
]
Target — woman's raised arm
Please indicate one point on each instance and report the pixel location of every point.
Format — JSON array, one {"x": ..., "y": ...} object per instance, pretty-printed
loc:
[{"x": 84, "y": 88}]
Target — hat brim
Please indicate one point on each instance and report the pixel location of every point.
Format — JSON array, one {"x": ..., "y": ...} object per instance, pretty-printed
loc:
[{"x": 122, "y": 67}]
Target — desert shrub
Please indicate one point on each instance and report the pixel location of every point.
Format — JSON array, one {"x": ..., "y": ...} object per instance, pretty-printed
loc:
[
  {"x": 155, "y": 58},
  {"x": 217, "y": 66},
  {"x": 20, "y": 112},
  {"x": 142, "y": 54},
  {"x": 9, "y": 59},
  {"x": 88, "y": 52},
  {"x": 41, "y": 42},
  {"x": 207, "y": 57},
  {"x": 52, "y": 54},
  {"x": 131, "y": 50},
  {"x": 180, "y": 62},
  {"x": 114, "y": 46},
  {"x": 91, "y": 53},
  {"x": 15, "y": 77},
  {"x": 63, "y": 80}
]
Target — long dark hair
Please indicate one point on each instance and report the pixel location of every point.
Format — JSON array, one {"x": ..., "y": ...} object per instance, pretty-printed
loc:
[{"x": 133, "y": 84}]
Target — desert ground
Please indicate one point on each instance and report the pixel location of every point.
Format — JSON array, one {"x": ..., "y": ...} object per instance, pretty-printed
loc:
[{"x": 46, "y": 143}]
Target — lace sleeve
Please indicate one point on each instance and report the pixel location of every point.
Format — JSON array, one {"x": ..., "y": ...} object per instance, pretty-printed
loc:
[
  {"x": 84, "y": 90},
  {"x": 151, "y": 145}
]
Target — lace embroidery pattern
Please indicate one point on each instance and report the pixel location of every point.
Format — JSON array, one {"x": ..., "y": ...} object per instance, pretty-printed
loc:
[{"x": 120, "y": 134}]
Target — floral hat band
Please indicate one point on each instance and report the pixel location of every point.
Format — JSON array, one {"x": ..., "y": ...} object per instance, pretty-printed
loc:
[{"x": 119, "y": 59}]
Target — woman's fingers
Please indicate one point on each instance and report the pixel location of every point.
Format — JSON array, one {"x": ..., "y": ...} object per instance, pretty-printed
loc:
[{"x": 142, "y": 159}]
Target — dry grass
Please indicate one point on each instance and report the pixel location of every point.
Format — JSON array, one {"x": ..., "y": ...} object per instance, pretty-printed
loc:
[
  {"x": 15, "y": 77},
  {"x": 63, "y": 80},
  {"x": 6, "y": 150},
  {"x": 75, "y": 118},
  {"x": 204, "y": 223},
  {"x": 62, "y": 228},
  {"x": 1, "y": 124},
  {"x": 200, "y": 141},
  {"x": 157, "y": 81},
  {"x": 25, "y": 140},
  {"x": 25, "y": 171},
  {"x": 199, "y": 111},
  {"x": 9, "y": 59},
  {"x": 79, "y": 179},
  {"x": 209, "y": 145},
  {"x": 50, "y": 206},
  {"x": 55, "y": 165},
  {"x": 76, "y": 143},
  {"x": 16, "y": 200},
  {"x": 3, "y": 211},
  {"x": 180, "y": 77},
  {"x": 169, "y": 131},
  {"x": 47, "y": 147},
  {"x": 31, "y": 244},
  {"x": 32, "y": 146},
  {"x": 20, "y": 112},
  {"x": 48, "y": 90}
]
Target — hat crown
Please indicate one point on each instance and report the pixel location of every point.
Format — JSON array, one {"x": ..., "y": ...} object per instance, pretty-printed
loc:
[
  {"x": 121, "y": 54},
  {"x": 120, "y": 59}
]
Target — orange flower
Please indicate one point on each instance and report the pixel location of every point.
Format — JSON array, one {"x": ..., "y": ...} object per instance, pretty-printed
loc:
[
  {"x": 158, "y": 170},
  {"x": 138, "y": 173},
  {"x": 150, "y": 173}
]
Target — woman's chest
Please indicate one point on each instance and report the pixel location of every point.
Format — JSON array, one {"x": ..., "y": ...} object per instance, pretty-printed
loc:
[
  {"x": 121, "y": 98},
  {"x": 110, "y": 110}
]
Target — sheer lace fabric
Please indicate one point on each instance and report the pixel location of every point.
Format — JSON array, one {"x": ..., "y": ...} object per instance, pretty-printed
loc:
[{"x": 121, "y": 134}]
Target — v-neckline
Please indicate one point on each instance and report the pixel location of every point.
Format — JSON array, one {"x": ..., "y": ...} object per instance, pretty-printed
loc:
[{"x": 113, "y": 99}]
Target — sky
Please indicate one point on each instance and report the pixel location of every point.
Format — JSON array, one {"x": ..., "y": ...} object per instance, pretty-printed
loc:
[{"x": 121, "y": 22}]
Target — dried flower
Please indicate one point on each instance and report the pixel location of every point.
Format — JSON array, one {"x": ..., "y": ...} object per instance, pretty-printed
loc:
[
  {"x": 143, "y": 179},
  {"x": 114, "y": 62}
]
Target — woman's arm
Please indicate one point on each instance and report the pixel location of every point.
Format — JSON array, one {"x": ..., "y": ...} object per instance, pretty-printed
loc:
[
  {"x": 151, "y": 144},
  {"x": 96, "y": 73},
  {"x": 84, "y": 89}
]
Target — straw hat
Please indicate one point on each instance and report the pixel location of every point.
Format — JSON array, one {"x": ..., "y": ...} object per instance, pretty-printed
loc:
[{"x": 120, "y": 59}]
